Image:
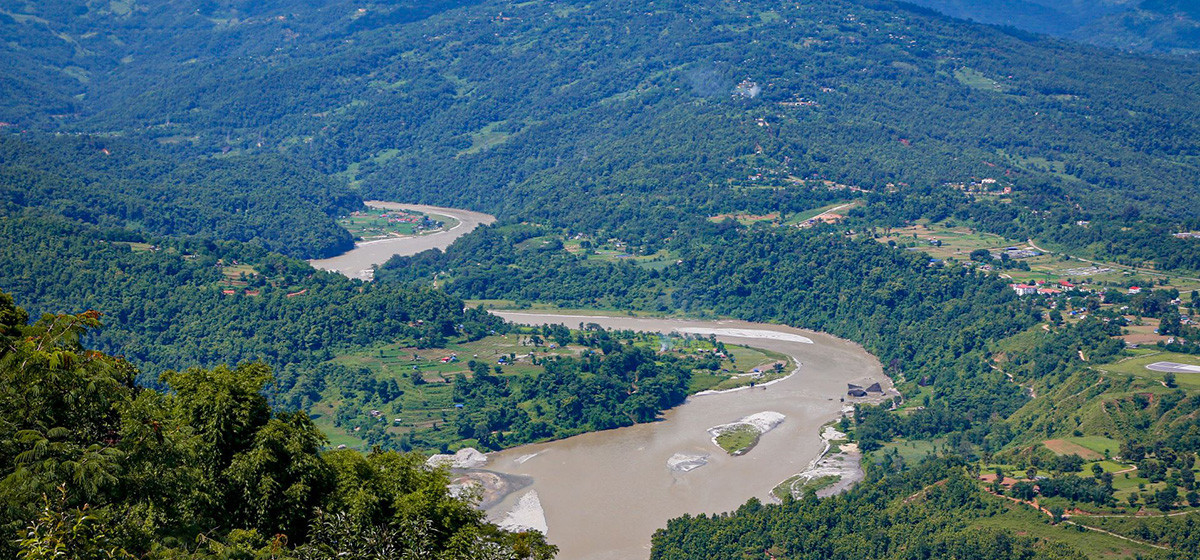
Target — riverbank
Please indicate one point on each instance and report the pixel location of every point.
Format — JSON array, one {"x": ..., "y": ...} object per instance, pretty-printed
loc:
[
  {"x": 604, "y": 493},
  {"x": 360, "y": 262},
  {"x": 835, "y": 470}
]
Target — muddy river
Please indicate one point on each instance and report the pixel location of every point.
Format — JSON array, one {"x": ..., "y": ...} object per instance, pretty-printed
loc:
[
  {"x": 360, "y": 261},
  {"x": 602, "y": 495}
]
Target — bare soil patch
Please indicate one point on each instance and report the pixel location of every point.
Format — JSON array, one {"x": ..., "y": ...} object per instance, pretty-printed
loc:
[{"x": 1062, "y": 447}]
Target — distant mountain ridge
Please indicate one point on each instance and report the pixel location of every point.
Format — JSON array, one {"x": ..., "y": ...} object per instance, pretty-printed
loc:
[{"x": 1171, "y": 26}]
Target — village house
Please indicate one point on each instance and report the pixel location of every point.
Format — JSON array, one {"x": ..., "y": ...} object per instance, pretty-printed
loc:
[{"x": 1024, "y": 289}]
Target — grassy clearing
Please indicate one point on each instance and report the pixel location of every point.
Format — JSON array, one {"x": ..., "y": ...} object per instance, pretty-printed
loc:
[
  {"x": 1063, "y": 447},
  {"x": 976, "y": 80},
  {"x": 595, "y": 252},
  {"x": 1136, "y": 366},
  {"x": 1104, "y": 446},
  {"x": 136, "y": 247},
  {"x": 486, "y": 137},
  {"x": 911, "y": 451},
  {"x": 1112, "y": 466},
  {"x": 376, "y": 223},
  {"x": 1023, "y": 520},
  {"x": 235, "y": 272},
  {"x": 738, "y": 440}
]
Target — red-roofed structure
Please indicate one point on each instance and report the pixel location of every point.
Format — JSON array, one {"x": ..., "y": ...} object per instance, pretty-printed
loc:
[{"x": 1024, "y": 289}]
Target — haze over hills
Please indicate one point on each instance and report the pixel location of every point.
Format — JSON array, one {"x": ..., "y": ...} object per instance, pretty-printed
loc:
[{"x": 1142, "y": 25}]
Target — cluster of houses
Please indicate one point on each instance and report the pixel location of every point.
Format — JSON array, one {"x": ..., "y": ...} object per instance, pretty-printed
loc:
[
  {"x": 1019, "y": 253},
  {"x": 1040, "y": 287},
  {"x": 401, "y": 218},
  {"x": 799, "y": 103},
  {"x": 983, "y": 186},
  {"x": 1188, "y": 235},
  {"x": 826, "y": 218},
  {"x": 231, "y": 291},
  {"x": 747, "y": 89}
]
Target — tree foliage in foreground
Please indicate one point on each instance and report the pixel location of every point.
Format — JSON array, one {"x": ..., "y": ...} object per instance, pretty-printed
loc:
[{"x": 96, "y": 467}]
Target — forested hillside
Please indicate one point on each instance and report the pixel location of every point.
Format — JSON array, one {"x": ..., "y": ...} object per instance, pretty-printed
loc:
[
  {"x": 117, "y": 183},
  {"x": 174, "y": 304},
  {"x": 560, "y": 110},
  {"x": 163, "y": 165},
  {"x": 927, "y": 512}
]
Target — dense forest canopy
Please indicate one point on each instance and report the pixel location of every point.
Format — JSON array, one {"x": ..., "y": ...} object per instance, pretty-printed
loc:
[
  {"x": 117, "y": 183},
  {"x": 561, "y": 109},
  {"x": 180, "y": 304}
]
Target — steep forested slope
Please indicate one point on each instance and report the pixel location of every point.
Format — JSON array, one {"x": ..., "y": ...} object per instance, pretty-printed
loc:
[{"x": 569, "y": 110}]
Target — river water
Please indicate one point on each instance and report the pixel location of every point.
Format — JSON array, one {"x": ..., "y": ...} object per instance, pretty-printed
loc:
[
  {"x": 359, "y": 261},
  {"x": 603, "y": 494},
  {"x": 600, "y": 496}
]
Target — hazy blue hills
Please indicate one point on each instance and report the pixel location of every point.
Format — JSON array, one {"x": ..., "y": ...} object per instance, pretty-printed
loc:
[{"x": 1146, "y": 25}]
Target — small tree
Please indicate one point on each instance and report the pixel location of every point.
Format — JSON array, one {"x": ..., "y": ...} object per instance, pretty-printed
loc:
[
  {"x": 1056, "y": 513},
  {"x": 1165, "y": 499}
]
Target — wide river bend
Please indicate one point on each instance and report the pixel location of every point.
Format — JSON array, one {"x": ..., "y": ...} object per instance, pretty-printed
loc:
[
  {"x": 600, "y": 496},
  {"x": 360, "y": 261},
  {"x": 603, "y": 494}
]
